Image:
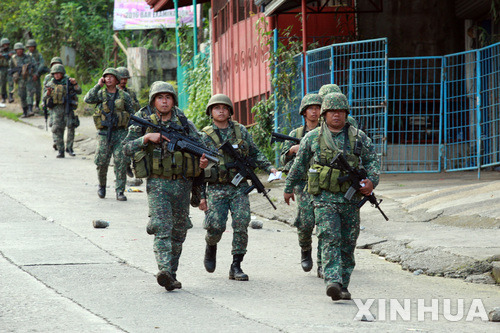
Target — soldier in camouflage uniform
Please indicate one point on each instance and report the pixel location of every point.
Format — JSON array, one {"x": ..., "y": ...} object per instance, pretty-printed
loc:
[
  {"x": 169, "y": 178},
  {"x": 21, "y": 66},
  {"x": 55, "y": 97},
  {"x": 114, "y": 107},
  {"x": 333, "y": 88},
  {"x": 337, "y": 219},
  {"x": 5, "y": 80},
  {"x": 123, "y": 86},
  {"x": 310, "y": 109},
  {"x": 35, "y": 89},
  {"x": 222, "y": 195},
  {"x": 46, "y": 79}
]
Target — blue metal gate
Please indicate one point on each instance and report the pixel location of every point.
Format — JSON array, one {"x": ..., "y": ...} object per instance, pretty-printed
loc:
[{"x": 414, "y": 115}]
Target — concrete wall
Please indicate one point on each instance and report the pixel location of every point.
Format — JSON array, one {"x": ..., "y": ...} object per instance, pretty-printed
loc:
[
  {"x": 416, "y": 27},
  {"x": 146, "y": 66}
]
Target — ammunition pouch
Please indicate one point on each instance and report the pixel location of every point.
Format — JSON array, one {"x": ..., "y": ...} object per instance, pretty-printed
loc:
[
  {"x": 99, "y": 117},
  {"x": 323, "y": 177}
]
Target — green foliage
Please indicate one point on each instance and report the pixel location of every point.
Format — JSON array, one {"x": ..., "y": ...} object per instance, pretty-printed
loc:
[
  {"x": 199, "y": 90},
  {"x": 10, "y": 115},
  {"x": 283, "y": 75}
]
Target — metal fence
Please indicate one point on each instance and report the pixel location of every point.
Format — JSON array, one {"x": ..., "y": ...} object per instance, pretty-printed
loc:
[{"x": 424, "y": 114}]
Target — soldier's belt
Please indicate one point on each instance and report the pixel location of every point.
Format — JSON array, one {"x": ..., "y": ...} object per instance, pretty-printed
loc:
[{"x": 173, "y": 177}]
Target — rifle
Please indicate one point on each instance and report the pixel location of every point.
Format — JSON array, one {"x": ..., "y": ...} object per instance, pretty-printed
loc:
[
  {"x": 355, "y": 176},
  {"x": 70, "y": 104},
  {"x": 245, "y": 170},
  {"x": 45, "y": 113},
  {"x": 178, "y": 141},
  {"x": 277, "y": 137}
]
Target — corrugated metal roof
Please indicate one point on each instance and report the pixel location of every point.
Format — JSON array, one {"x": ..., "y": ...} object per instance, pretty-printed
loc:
[
  {"x": 159, "y": 5},
  {"x": 472, "y": 9}
]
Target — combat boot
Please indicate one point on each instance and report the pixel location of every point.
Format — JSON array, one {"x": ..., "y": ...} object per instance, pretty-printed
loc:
[
  {"x": 25, "y": 112},
  {"x": 235, "y": 273},
  {"x": 60, "y": 155},
  {"x": 70, "y": 152},
  {"x": 166, "y": 280},
  {"x": 129, "y": 171},
  {"x": 306, "y": 262},
  {"x": 334, "y": 290},
  {"x": 11, "y": 98},
  {"x": 120, "y": 196},
  {"x": 3, "y": 98},
  {"x": 101, "y": 192},
  {"x": 54, "y": 145},
  {"x": 345, "y": 294},
  {"x": 210, "y": 255},
  {"x": 30, "y": 111},
  {"x": 176, "y": 284}
]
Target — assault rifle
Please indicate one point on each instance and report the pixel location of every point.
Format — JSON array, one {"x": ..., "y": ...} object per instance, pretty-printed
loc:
[
  {"x": 245, "y": 168},
  {"x": 45, "y": 113},
  {"x": 355, "y": 176},
  {"x": 70, "y": 104},
  {"x": 178, "y": 141},
  {"x": 19, "y": 69},
  {"x": 277, "y": 137}
]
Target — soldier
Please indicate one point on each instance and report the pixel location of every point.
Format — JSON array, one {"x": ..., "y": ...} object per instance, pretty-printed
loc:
[
  {"x": 310, "y": 109},
  {"x": 46, "y": 79},
  {"x": 123, "y": 71},
  {"x": 39, "y": 70},
  {"x": 333, "y": 88},
  {"x": 337, "y": 219},
  {"x": 169, "y": 178},
  {"x": 5, "y": 80},
  {"x": 21, "y": 68},
  {"x": 111, "y": 117},
  {"x": 59, "y": 90},
  {"x": 221, "y": 196}
]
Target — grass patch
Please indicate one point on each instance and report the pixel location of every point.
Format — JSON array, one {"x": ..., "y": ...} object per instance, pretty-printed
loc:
[{"x": 9, "y": 115}]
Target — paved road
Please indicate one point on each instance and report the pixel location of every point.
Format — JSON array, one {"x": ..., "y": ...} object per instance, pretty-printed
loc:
[{"x": 59, "y": 274}]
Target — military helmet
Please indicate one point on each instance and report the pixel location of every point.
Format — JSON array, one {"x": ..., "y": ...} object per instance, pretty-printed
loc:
[
  {"x": 334, "y": 101},
  {"x": 308, "y": 100},
  {"x": 31, "y": 42},
  {"x": 4, "y": 41},
  {"x": 161, "y": 87},
  {"x": 18, "y": 46},
  {"x": 328, "y": 89},
  {"x": 112, "y": 71},
  {"x": 55, "y": 60},
  {"x": 123, "y": 71},
  {"x": 57, "y": 68},
  {"x": 219, "y": 99}
]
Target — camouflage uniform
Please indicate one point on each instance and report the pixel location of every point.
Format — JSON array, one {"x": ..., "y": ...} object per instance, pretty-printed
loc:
[
  {"x": 35, "y": 87},
  {"x": 23, "y": 81},
  {"x": 46, "y": 79},
  {"x": 5, "y": 80},
  {"x": 333, "y": 88},
  {"x": 168, "y": 191},
  {"x": 222, "y": 195},
  {"x": 304, "y": 221},
  {"x": 337, "y": 219},
  {"x": 105, "y": 149},
  {"x": 57, "y": 106}
]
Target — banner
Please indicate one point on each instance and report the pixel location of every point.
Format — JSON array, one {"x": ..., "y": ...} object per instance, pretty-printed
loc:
[{"x": 136, "y": 15}]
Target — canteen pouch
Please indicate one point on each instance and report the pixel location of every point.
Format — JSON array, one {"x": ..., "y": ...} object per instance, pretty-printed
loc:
[
  {"x": 97, "y": 116},
  {"x": 313, "y": 182},
  {"x": 140, "y": 165}
]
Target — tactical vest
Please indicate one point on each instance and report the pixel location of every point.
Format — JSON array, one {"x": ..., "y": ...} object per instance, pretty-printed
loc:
[
  {"x": 58, "y": 93},
  {"x": 101, "y": 112},
  {"x": 223, "y": 173},
  {"x": 154, "y": 161},
  {"x": 323, "y": 177},
  {"x": 4, "y": 62}
]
